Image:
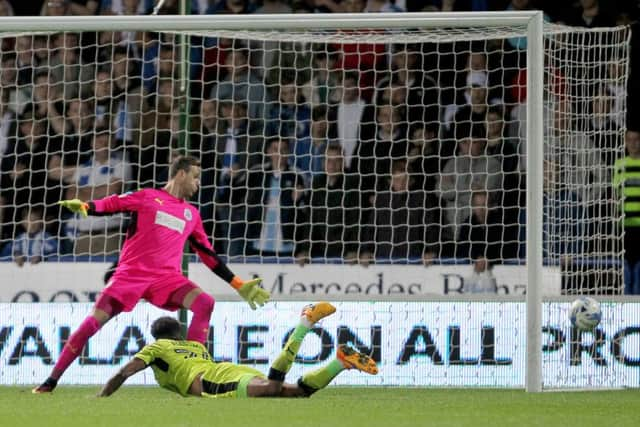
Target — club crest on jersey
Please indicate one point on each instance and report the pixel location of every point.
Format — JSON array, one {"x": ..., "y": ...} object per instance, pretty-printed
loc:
[{"x": 187, "y": 214}]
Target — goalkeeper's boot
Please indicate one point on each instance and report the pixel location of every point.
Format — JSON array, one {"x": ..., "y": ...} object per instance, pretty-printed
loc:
[
  {"x": 317, "y": 311},
  {"x": 353, "y": 359},
  {"x": 45, "y": 387}
]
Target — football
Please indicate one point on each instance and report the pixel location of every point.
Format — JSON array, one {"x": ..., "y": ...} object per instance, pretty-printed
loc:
[{"x": 585, "y": 313}]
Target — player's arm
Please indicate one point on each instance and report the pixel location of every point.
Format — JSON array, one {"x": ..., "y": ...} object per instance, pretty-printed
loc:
[
  {"x": 135, "y": 365},
  {"x": 249, "y": 290},
  {"x": 115, "y": 203}
]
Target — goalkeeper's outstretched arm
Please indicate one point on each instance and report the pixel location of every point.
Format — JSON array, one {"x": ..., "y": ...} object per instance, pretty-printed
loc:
[
  {"x": 135, "y": 365},
  {"x": 249, "y": 290}
]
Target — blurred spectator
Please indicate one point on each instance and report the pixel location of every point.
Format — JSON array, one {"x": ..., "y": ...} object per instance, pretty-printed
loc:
[
  {"x": 73, "y": 148},
  {"x": 273, "y": 204},
  {"x": 424, "y": 161},
  {"x": 206, "y": 144},
  {"x": 321, "y": 135},
  {"x": 397, "y": 226},
  {"x": 70, "y": 7},
  {"x": 157, "y": 135},
  {"x": 569, "y": 144},
  {"x": 131, "y": 40},
  {"x": 382, "y": 6},
  {"x": 292, "y": 118},
  {"x": 421, "y": 93},
  {"x": 589, "y": 13},
  {"x": 481, "y": 236},
  {"x": 334, "y": 213},
  {"x": 232, "y": 7},
  {"x": 27, "y": 62},
  {"x": 14, "y": 97},
  {"x": 23, "y": 170},
  {"x": 379, "y": 145},
  {"x": 48, "y": 104},
  {"x": 239, "y": 85},
  {"x": 56, "y": 8},
  {"x": 34, "y": 244},
  {"x": 84, "y": 7},
  {"x": 500, "y": 146},
  {"x": 160, "y": 62},
  {"x": 214, "y": 58},
  {"x": 236, "y": 152},
  {"x": 504, "y": 149},
  {"x": 365, "y": 58},
  {"x": 7, "y": 127},
  {"x": 470, "y": 170},
  {"x": 626, "y": 182},
  {"x": 348, "y": 114},
  {"x": 564, "y": 220},
  {"x": 324, "y": 85},
  {"x": 242, "y": 150},
  {"x": 602, "y": 124},
  {"x": 473, "y": 106},
  {"x": 348, "y": 6},
  {"x": 103, "y": 100},
  {"x": 106, "y": 173},
  {"x": 618, "y": 90},
  {"x": 273, "y": 6},
  {"x": 125, "y": 7},
  {"x": 128, "y": 97},
  {"x": 10, "y": 96},
  {"x": 332, "y": 6},
  {"x": 5, "y": 8},
  {"x": 68, "y": 73}
]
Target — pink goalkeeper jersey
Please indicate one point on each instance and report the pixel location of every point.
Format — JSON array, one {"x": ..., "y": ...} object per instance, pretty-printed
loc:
[{"x": 160, "y": 226}]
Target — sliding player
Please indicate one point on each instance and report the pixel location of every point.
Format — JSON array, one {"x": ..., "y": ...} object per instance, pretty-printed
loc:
[
  {"x": 185, "y": 367},
  {"x": 149, "y": 266}
]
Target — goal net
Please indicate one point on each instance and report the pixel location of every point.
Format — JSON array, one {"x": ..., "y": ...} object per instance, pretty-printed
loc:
[{"x": 402, "y": 149}]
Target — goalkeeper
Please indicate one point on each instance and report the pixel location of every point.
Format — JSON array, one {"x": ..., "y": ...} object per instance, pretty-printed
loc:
[
  {"x": 185, "y": 367},
  {"x": 150, "y": 261}
]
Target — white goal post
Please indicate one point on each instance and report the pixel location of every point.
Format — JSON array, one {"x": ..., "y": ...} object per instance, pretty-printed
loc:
[{"x": 528, "y": 24}]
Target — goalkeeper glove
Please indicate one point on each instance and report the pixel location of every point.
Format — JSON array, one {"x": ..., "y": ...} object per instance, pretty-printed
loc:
[
  {"x": 251, "y": 291},
  {"x": 75, "y": 206}
]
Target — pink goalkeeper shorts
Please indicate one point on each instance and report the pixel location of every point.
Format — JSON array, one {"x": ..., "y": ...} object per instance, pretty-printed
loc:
[{"x": 128, "y": 289}]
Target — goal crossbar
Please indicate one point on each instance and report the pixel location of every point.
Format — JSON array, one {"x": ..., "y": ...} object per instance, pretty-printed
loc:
[{"x": 267, "y": 22}]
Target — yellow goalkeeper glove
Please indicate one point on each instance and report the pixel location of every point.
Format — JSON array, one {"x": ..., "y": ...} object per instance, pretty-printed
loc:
[
  {"x": 251, "y": 291},
  {"x": 75, "y": 206}
]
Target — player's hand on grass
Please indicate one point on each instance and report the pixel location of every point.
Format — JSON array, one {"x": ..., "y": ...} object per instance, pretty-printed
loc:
[
  {"x": 75, "y": 206},
  {"x": 252, "y": 293}
]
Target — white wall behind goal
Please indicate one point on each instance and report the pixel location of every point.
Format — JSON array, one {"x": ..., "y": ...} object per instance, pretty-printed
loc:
[
  {"x": 414, "y": 343},
  {"x": 47, "y": 282}
]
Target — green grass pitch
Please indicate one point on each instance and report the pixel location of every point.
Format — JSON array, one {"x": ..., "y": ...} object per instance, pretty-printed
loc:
[{"x": 334, "y": 407}]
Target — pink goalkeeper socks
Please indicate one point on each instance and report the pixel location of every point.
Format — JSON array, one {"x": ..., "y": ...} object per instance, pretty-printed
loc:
[
  {"x": 201, "y": 307},
  {"x": 75, "y": 344}
]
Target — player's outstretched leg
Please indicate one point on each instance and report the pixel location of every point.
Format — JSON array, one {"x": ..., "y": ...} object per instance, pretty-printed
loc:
[
  {"x": 72, "y": 349},
  {"x": 106, "y": 308},
  {"x": 310, "y": 315},
  {"x": 274, "y": 386},
  {"x": 346, "y": 358}
]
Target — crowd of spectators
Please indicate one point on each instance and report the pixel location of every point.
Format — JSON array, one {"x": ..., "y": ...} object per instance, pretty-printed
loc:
[{"x": 347, "y": 151}]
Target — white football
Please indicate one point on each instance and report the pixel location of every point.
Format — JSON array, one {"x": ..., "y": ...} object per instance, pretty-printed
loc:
[{"x": 585, "y": 313}]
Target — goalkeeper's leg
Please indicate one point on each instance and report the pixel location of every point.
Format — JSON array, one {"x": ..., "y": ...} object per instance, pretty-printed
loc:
[
  {"x": 105, "y": 308},
  {"x": 282, "y": 364}
]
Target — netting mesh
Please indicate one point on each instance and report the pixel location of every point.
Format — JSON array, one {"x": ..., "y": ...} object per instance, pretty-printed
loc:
[
  {"x": 368, "y": 146},
  {"x": 385, "y": 147}
]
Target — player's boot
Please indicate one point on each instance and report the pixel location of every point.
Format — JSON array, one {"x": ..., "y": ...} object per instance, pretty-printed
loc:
[
  {"x": 317, "y": 311},
  {"x": 353, "y": 359},
  {"x": 45, "y": 387}
]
